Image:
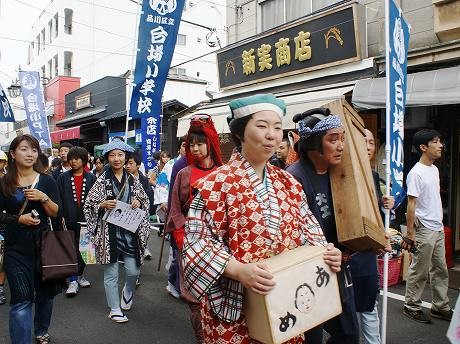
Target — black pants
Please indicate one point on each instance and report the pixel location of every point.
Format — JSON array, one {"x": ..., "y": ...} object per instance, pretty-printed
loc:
[
  {"x": 76, "y": 228},
  {"x": 344, "y": 328}
]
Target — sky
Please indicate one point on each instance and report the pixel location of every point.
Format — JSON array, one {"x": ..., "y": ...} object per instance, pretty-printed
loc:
[{"x": 16, "y": 20}]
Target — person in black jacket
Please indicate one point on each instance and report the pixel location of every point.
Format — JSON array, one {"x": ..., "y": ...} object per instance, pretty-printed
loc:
[
  {"x": 25, "y": 181},
  {"x": 74, "y": 186},
  {"x": 132, "y": 166}
]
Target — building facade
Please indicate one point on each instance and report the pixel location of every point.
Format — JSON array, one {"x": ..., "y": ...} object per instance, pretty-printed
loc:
[
  {"x": 311, "y": 52},
  {"x": 91, "y": 40}
]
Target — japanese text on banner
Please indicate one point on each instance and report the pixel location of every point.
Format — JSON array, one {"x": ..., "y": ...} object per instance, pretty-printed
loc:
[
  {"x": 6, "y": 114},
  {"x": 158, "y": 28},
  {"x": 399, "y": 43},
  {"x": 35, "y": 107}
]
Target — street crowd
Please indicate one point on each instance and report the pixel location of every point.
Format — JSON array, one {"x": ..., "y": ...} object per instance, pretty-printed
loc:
[{"x": 222, "y": 221}]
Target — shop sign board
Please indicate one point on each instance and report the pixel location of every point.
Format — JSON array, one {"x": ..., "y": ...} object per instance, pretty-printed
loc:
[{"x": 298, "y": 47}]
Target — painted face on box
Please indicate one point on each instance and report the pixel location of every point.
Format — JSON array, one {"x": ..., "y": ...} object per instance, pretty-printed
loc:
[{"x": 305, "y": 298}]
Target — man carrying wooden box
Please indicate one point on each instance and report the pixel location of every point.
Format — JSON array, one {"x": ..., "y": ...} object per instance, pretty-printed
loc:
[{"x": 321, "y": 146}]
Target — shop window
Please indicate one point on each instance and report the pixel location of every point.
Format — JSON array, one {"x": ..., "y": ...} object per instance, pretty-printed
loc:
[
  {"x": 30, "y": 53},
  {"x": 43, "y": 39},
  {"x": 56, "y": 25},
  {"x": 50, "y": 68},
  {"x": 56, "y": 65},
  {"x": 68, "y": 14},
  {"x": 68, "y": 63},
  {"x": 50, "y": 31},
  {"x": 181, "y": 39},
  {"x": 178, "y": 71},
  {"x": 38, "y": 44}
]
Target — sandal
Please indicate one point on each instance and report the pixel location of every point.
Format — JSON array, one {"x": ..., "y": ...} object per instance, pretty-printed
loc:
[
  {"x": 126, "y": 304},
  {"x": 118, "y": 318},
  {"x": 45, "y": 339}
]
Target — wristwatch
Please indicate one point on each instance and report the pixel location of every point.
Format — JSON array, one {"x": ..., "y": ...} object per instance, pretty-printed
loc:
[{"x": 45, "y": 200}]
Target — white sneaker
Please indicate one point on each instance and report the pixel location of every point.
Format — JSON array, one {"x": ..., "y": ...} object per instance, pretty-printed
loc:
[
  {"x": 172, "y": 291},
  {"x": 83, "y": 282},
  {"x": 125, "y": 303},
  {"x": 147, "y": 254},
  {"x": 72, "y": 290}
]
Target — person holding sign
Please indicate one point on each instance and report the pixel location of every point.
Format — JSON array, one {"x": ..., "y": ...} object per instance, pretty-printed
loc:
[
  {"x": 244, "y": 212},
  {"x": 114, "y": 243}
]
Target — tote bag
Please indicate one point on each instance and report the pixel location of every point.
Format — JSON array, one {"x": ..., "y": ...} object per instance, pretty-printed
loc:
[{"x": 58, "y": 253}]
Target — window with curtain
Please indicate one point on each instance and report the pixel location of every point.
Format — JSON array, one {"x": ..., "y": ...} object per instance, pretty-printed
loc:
[
  {"x": 297, "y": 8},
  {"x": 277, "y": 12},
  {"x": 272, "y": 13}
]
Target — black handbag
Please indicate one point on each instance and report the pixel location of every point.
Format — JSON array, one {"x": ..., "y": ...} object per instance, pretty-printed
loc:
[{"x": 58, "y": 253}]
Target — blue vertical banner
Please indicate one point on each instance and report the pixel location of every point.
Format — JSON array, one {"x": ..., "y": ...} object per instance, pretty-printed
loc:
[
  {"x": 397, "y": 78},
  {"x": 158, "y": 28},
  {"x": 34, "y": 104},
  {"x": 6, "y": 113}
]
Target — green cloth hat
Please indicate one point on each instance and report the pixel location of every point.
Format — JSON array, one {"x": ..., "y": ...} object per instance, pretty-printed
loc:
[{"x": 243, "y": 107}]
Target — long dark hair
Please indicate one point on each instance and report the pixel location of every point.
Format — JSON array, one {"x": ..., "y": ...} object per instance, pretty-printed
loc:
[{"x": 9, "y": 182}]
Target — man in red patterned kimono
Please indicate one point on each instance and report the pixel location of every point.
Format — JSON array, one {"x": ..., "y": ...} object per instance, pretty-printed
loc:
[{"x": 244, "y": 212}]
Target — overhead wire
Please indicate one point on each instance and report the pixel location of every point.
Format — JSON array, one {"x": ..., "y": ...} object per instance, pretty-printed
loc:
[
  {"x": 75, "y": 22},
  {"x": 66, "y": 47},
  {"x": 108, "y": 7}
]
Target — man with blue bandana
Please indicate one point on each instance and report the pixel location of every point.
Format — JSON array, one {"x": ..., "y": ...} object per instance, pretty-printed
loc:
[{"x": 321, "y": 146}]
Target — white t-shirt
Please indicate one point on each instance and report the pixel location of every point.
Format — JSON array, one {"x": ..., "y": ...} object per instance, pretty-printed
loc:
[{"x": 423, "y": 183}]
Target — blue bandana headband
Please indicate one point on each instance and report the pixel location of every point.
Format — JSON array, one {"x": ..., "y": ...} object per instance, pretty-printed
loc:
[{"x": 330, "y": 122}]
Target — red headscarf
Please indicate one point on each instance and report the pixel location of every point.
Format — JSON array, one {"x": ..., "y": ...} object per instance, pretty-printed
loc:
[{"x": 202, "y": 124}]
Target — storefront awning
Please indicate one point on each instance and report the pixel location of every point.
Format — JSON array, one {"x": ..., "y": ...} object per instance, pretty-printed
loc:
[
  {"x": 295, "y": 103},
  {"x": 65, "y": 134},
  {"x": 81, "y": 116},
  {"x": 434, "y": 87}
]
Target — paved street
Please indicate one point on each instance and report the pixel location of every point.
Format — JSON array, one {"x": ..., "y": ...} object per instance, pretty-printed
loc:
[{"x": 158, "y": 318}]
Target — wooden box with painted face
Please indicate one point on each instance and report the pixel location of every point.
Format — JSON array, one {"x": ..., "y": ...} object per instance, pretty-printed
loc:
[{"x": 306, "y": 294}]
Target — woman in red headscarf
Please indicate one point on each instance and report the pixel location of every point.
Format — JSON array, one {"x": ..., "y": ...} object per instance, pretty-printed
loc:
[{"x": 203, "y": 156}]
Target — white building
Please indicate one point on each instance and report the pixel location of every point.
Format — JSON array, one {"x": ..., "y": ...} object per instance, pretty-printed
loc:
[{"x": 94, "y": 39}]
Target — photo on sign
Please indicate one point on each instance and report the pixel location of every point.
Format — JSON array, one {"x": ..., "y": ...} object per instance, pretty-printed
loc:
[{"x": 125, "y": 216}]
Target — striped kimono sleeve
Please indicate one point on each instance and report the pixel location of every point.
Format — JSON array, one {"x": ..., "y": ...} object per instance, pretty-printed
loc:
[{"x": 204, "y": 255}]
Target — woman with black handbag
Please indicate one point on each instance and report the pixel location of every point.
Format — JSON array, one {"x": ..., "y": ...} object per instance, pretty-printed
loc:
[{"x": 26, "y": 184}]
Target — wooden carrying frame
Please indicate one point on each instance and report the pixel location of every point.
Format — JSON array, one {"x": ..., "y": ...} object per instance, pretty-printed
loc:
[{"x": 357, "y": 215}]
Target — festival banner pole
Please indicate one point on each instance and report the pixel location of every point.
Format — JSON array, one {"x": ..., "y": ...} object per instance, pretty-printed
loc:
[
  {"x": 387, "y": 167},
  {"x": 133, "y": 65},
  {"x": 396, "y": 46}
]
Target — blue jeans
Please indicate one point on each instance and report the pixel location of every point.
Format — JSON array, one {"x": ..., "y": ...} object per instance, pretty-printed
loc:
[
  {"x": 21, "y": 320},
  {"x": 111, "y": 280},
  {"x": 370, "y": 325}
]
